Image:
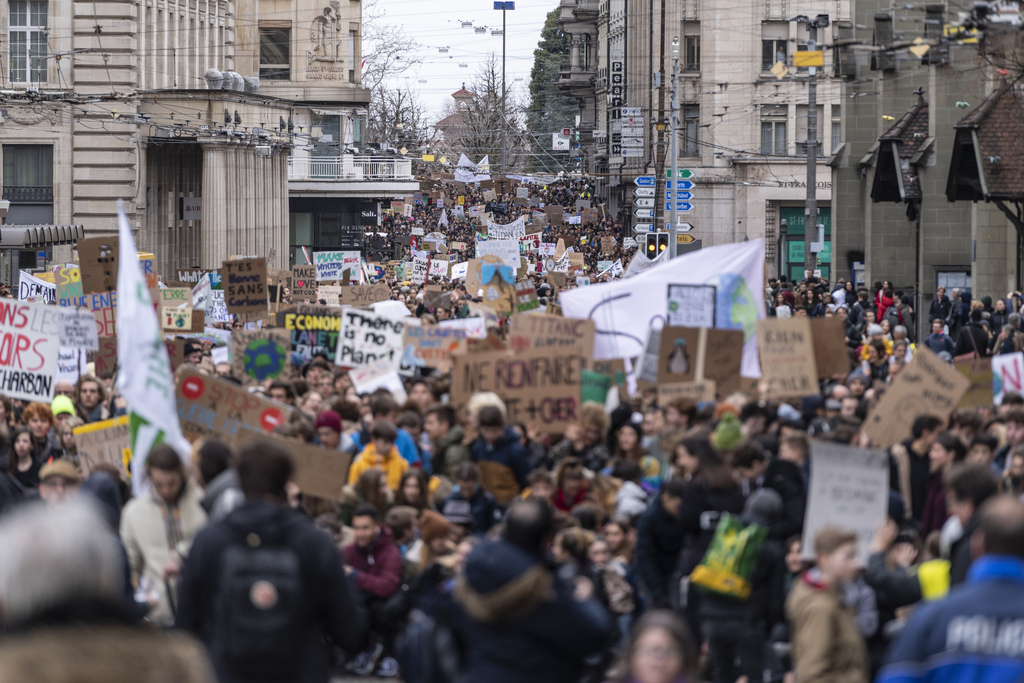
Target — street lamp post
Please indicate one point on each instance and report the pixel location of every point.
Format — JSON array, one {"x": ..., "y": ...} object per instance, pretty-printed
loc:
[
  {"x": 675, "y": 146},
  {"x": 504, "y": 6}
]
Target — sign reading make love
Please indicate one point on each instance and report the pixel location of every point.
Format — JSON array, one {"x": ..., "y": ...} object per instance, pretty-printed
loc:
[{"x": 29, "y": 347}]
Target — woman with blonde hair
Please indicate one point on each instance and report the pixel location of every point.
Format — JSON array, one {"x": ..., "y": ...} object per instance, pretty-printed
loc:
[{"x": 66, "y": 438}]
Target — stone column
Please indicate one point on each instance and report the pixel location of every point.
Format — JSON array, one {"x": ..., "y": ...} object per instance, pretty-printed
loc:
[
  {"x": 215, "y": 208},
  {"x": 575, "y": 53}
]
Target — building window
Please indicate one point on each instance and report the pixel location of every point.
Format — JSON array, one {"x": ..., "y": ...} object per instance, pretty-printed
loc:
[
  {"x": 772, "y": 51},
  {"x": 691, "y": 129},
  {"x": 28, "y": 173},
  {"x": 27, "y": 41},
  {"x": 837, "y": 129},
  {"x": 352, "y": 66},
  {"x": 773, "y": 136},
  {"x": 691, "y": 56},
  {"x": 275, "y": 53}
]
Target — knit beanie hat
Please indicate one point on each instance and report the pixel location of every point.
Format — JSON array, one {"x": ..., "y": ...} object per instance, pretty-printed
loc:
[
  {"x": 728, "y": 433},
  {"x": 62, "y": 404},
  {"x": 328, "y": 418},
  {"x": 433, "y": 526}
]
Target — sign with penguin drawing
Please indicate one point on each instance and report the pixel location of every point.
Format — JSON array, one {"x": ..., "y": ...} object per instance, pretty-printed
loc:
[{"x": 678, "y": 355}]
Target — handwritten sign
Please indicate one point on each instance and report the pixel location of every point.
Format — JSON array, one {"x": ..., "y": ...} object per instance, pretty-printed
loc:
[
  {"x": 925, "y": 386},
  {"x": 97, "y": 258},
  {"x": 78, "y": 329},
  {"x": 33, "y": 289},
  {"x": 103, "y": 306},
  {"x": 105, "y": 442},
  {"x": 417, "y": 271},
  {"x": 330, "y": 294},
  {"x": 69, "y": 285},
  {"x": 259, "y": 355},
  {"x": 787, "y": 357},
  {"x": 105, "y": 359},
  {"x": 331, "y": 264},
  {"x": 314, "y": 330},
  {"x": 979, "y": 372},
  {"x": 245, "y": 287},
  {"x": 209, "y": 406},
  {"x": 699, "y": 391},
  {"x": 1007, "y": 375},
  {"x": 551, "y": 333},
  {"x": 830, "y": 355},
  {"x": 506, "y": 250},
  {"x": 513, "y": 230},
  {"x": 217, "y": 309},
  {"x": 849, "y": 488},
  {"x": 540, "y": 387},
  {"x": 303, "y": 282},
  {"x": 177, "y": 319},
  {"x": 526, "y": 296},
  {"x": 366, "y": 337},
  {"x": 691, "y": 305},
  {"x": 29, "y": 346},
  {"x": 364, "y": 295},
  {"x": 432, "y": 346}
]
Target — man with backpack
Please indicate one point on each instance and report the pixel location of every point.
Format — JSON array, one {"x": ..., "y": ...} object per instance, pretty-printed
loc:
[{"x": 263, "y": 588}]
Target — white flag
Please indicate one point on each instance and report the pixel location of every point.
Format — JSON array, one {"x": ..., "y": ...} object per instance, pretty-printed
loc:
[
  {"x": 443, "y": 220},
  {"x": 144, "y": 375}
]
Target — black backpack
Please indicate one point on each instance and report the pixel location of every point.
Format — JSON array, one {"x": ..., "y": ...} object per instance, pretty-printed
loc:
[
  {"x": 261, "y": 608},
  {"x": 429, "y": 650}
]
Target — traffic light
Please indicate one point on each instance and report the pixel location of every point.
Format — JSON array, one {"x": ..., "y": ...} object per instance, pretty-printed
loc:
[
  {"x": 651, "y": 248},
  {"x": 662, "y": 240}
]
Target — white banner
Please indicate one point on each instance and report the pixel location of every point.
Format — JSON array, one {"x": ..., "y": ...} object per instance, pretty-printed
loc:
[
  {"x": 29, "y": 346},
  {"x": 78, "y": 329},
  {"x": 459, "y": 270},
  {"x": 31, "y": 288},
  {"x": 508, "y": 231}
]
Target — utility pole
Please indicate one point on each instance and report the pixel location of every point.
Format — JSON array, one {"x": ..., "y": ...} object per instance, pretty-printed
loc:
[
  {"x": 503, "y": 5},
  {"x": 811, "y": 203},
  {"x": 675, "y": 147}
]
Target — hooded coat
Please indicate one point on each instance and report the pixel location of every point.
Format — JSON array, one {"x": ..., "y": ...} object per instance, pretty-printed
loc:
[
  {"x": 522, "y": 623},
  {"x": 450, "y": 452},
  {"x": 379, "y": 565}
]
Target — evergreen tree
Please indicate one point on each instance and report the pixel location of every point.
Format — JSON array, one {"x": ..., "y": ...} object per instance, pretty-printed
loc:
[{"x": 550, "y": 111}]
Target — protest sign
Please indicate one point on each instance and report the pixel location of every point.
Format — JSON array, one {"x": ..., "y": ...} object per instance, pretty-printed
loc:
[
  {"x": 498, "y": 292},
  {"x": 416, "y": 270},
  {"x": 691, "y": 305},
  {"x": 329, "y": 294},
  {"x": 69, "y": 284},
  {"x": 1007, "y": 375},
  {"x": 78, "y": 329},
  {"x": 577, "y": 263},
  {"x": 175, "y": 351},
  {"x": 104, "y": 442},
  {"x": 526, "y": 296},
  {"x": 506, "y": 250},
  {"x": 105, "y": 360},
  {"x": 698, "y": 391},
  {"x": 366, "y": 337},
  {"x": 434, "y": 297},
  {"x": 594, "y": 387},
  {"x": 582, "y": 281},
  {"x": 202, "y": 294},
  {"x": 331, "y": 264},
  {"x": 33, "y": 289},
  {"x": 103, "y": 307},
  {"x": 787, "y": 358},
  {"x": 29, "y": 346},
  {"x": 211, "y": 406},
  {"x": 319, "y": 471},
  {"x": 364, "y": 295},
  {"x": 830, "y": 354},
  {"x": 514, "y": 230},
  {"x": 539, "y": 386},
  {"x": 925, "y": 386},
  {"x": 680, "y": 355},
  {"x": 98, "y": 263},
  {"x": 432, "y": 346},
  {"x": 217, "y": 309},
  {"x": 438, "y": 268},
  {"x": 607, "y": 245},
  {"x": 380, "y": 374},
  {"x": 178, "y": 319},
  {"x": 459, "y": 270},
  {"x": 258, "y": 355},
  {"x": 313, "y": 329},
  {"x": 978, "y": 372},
  {"x": 555, "y": 214},
  {"x": 245, "y": 287},
  {"x": 303, "y": 282},
  {"x": 551, "y": 333},
  {"x": 72, "y": 363},
  {"x": 722, "y": 359},
  {"x": 173, "y": 297},
  {"x": 849, "y": 488}
]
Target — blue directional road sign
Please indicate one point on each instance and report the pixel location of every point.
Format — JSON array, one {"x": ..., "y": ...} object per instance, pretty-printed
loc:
[
  {"x": 643, "y": 213},
  {"x": 679, "y": 195},
  {"x": 644, "y": 181},
  {"x": 508, "y": 4},
  {"x": 680, "y": 206},
  {"x": 643, "y": 227},
  {"x": 679, "y": 184}
]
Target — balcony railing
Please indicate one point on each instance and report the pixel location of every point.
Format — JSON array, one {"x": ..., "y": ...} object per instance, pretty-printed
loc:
[
  {"x": 349, "y": 167},
  {"x": 21, "y": 194}
]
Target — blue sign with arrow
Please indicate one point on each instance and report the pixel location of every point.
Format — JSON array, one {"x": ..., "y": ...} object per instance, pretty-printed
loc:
[
  {"x": 680, "y": 206},
  {"x": 644, "y": 181},
  {"x": 679, "y": 184},
  {"x": 679, "y": 195}
]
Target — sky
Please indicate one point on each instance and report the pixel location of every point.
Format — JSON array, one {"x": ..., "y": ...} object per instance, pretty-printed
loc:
[{"x": 436, "y": 24}]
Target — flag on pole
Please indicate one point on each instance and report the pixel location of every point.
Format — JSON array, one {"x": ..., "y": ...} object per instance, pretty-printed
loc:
[
  {"x": 144, "y": 375},
  {"x": 443, "y": 220}
]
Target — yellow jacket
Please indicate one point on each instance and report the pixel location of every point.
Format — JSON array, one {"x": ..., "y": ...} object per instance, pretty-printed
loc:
[{"x": 393, "y": 465}]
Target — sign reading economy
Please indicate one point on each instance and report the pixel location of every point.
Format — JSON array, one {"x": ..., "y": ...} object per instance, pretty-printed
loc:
[{"x": 29, "y": 347}]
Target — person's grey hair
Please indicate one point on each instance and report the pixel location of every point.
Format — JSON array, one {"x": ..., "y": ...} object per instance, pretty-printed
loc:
[
  {"x": 1014, "y": 319},
  {"x": 1009, "y": 330},
  {"x": 899, "y": 329},
  {"x": 956, "y": 291},
  {"x": 56, "y": 553}
]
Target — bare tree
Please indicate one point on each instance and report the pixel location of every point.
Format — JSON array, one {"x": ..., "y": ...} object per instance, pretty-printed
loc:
[{"x": 390, "y": 55}]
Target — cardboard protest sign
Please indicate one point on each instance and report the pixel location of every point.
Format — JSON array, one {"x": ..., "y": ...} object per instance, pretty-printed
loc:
[
  {"x": 175, "y": 352},
  {"x": 432, "y": 346},
  {"x": 366, "y": 337},
  {"x": 105, "y": 359},
  {"x": 69, "y": 285},
  {"x": 577, "y": 263},
  {"x": 551, "y": 333},
  {"x": 331, "y": 264},
  {"x": 103, "y": 307},
  {"x": 698, "y": 391},
  {"x": 329, "y": 294},
  {"x": 319, "y": 471},
  {"x": 979, "y": 373},
  {"x": 29, "y": 346},
  {"x": 434, "y": 297},
  {"x": 787, "y": 357},
  {"x": 1007, "y": 375},
  {"x": 364, "y": 295},
  {"x": 202, "y": 293},
  {"x": 172, "y": 297},
  {"x": 925, "y": 386},
  {"x": 33, "y": 289},
  {"x": 245, "y": 287},
  {"x": 646, "y": 367},
  {"x": 723, "y": 356},
  {"x": 108, "y": 441},
  {"x": 830, "y": 354},
  {"x": 539, "y": 386},
  {"x": 607, "y": 245},
  {"x": 554, "y": 213},
  {"x": 211, "y": 406},
  {"x": 303, "y": 282},
  {"x": 680, "y": 355},
  {"x": 417, "y": 273},
  {"x": 380, "y": 374},
  {"x": 499, "y": 293},
  {"x": 849, "y": 488},
  {"x": 691, "y": 305},
  {"x": 438, "y": 267},
  {"x": 258, "y": 355},
  {"x": 97, "y": 260},
  {"x": 313, "y": 330},
  {"x": 78, "y": 329},
  {"x": 506, "y": 250},
  {"x": 178, "y": 319}
]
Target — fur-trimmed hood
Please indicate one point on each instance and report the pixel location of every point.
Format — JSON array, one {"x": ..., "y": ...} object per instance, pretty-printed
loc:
[{"x": 502, "y": 582}]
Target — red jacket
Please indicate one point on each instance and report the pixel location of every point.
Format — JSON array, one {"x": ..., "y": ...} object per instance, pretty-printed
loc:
[
  {"x": 884, "y": 302},
  {"x": 379, "y": 565}
]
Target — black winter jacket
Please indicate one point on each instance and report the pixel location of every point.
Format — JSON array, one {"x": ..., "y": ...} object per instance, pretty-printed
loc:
[{"x": 659, "y": 538}]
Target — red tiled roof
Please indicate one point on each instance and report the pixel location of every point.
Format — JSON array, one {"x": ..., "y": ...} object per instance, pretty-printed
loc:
[
  {"x": 462, "y": 92},
  {"x": 999, "y": 123},
  {"x": 910, "y": 133}
]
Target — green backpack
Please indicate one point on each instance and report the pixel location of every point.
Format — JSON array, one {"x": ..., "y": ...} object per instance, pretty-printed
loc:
[{"x": 728, "y": 564}]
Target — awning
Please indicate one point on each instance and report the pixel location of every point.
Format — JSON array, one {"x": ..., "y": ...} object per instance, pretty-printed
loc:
[{"x": 39, "y": 236}]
